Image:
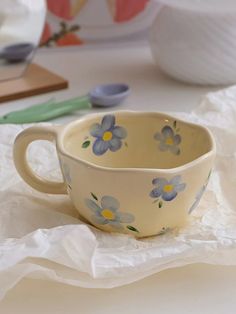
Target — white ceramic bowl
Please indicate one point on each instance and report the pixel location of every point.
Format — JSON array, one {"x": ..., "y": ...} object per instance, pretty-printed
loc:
[{"x": 195, "y": 46}]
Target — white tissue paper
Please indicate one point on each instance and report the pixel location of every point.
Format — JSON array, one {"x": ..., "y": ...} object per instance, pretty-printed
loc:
[{"x": 41, "y": 237}]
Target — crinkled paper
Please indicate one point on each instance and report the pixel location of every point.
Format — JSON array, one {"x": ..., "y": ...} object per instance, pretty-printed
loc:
[{"x": 41, "y": 236}]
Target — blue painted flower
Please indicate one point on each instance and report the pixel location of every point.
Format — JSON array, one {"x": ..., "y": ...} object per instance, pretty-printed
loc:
[
  {"x": 168, "y": 140},
  {"x": 108, "y": 213},
  {"x": 108, "y": 135},
  {"x": 165, "y": 189}
]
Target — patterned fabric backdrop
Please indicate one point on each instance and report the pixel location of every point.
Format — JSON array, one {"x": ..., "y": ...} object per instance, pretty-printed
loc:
[{"x": 79, "y": 22}]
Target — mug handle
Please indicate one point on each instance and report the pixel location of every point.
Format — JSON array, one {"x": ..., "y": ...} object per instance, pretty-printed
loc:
[{"x": 21, "y": 144}]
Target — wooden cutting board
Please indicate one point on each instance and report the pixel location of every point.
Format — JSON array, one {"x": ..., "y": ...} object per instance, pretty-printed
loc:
[{"x": 36, "y": 80}]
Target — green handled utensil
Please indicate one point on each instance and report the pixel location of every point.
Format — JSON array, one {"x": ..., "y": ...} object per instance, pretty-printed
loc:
[
  {"x": 45, "y": 111},
  {"x": 103, "y": 96}
]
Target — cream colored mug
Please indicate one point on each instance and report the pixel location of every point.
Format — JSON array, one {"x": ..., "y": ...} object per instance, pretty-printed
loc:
[{"x": 131, "y": 172}]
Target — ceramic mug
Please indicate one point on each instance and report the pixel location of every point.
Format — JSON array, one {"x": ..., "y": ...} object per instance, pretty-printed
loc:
[{"x": 131, "y": 172}]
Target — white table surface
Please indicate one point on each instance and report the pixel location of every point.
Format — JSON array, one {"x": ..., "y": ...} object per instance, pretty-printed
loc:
[{"x": 191, "y": 289}]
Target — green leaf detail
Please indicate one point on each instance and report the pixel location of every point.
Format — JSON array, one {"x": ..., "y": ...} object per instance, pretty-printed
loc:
[
  {"x": 156, "y": 200},
  {"x": 126, "y": 144},
  {"x": 132, "y": 228},
  {"x": 175, "y": 124},
  {"x": 160, "y": 204},
  {"x": 94, "y": 196},
  {"x": 86, "y": 144}
]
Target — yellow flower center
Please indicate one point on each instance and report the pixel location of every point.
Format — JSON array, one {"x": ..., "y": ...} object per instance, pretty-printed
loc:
[
  {"x": 169, "y": 141},
  {"x": 107, "y": 136},
  {"x": 108, "y": 214},
  {"x": 168, "y": 188}
]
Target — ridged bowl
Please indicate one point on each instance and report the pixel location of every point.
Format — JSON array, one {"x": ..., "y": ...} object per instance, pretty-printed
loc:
[{"x": 195, "y": 46}]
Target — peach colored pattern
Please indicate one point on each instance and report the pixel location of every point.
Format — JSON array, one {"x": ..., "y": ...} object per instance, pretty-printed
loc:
[
  {"x": 60, "y": 37},
  {"x": 128, "y": 9},
  {"x": 61, "y": 8},
  {"x": 69, "y": 39},
  {"x": 67, "y": 10}
]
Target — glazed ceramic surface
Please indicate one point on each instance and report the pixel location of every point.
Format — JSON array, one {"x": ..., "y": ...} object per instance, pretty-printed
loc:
[
  {"x": 130, "y": 172},
  {"x": 195, "y": 46}
]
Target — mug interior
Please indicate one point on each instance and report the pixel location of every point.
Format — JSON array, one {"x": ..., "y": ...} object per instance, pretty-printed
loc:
[{"x": 136, "y": 140}]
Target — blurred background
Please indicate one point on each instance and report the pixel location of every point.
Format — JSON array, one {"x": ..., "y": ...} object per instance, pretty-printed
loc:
[
  {"x": 88, "y": 22},
  {"x": 193, "y": 41}
]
